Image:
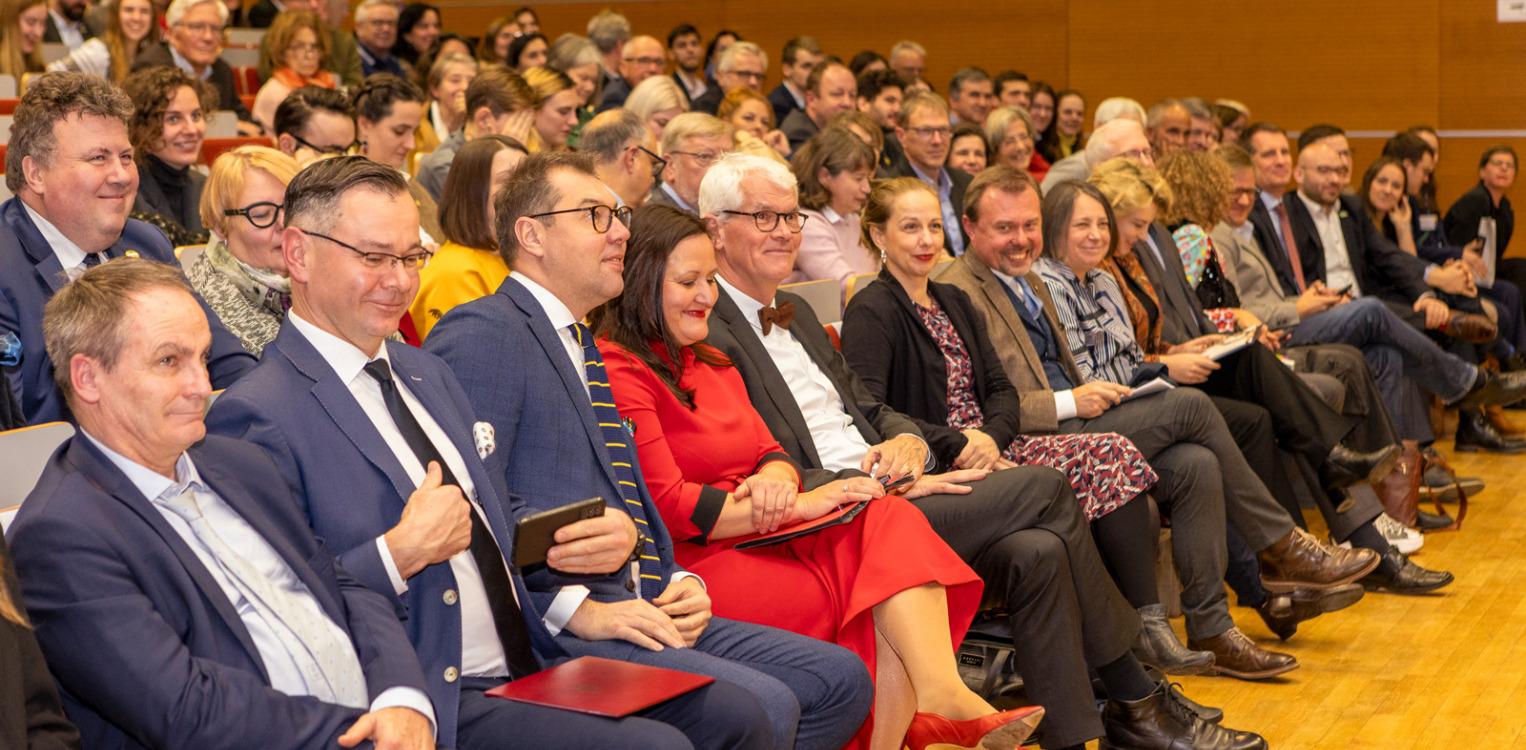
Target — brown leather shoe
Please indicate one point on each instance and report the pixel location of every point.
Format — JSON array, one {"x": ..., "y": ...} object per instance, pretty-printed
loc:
[
  {"x": 1470, "y": 327},
  {"x": 1502, "y": 422},
  {"x": 1238, "y": 656},
  {"x": 1298, "y": 560}
]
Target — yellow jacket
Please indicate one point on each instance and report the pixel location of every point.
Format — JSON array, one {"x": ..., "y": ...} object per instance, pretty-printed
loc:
[{"x": 456, "y": 275}]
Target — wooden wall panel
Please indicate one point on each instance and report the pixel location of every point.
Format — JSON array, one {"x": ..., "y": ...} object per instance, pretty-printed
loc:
[{"x": 1483, "y": 68}]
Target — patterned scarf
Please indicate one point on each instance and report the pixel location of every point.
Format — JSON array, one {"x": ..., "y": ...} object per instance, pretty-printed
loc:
[
  {"x": 262, "y": 289},
  {"x": 1130, "y": 275}
]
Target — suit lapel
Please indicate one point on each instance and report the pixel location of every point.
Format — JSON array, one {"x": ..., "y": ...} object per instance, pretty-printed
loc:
[
  {"x": 1311, "y": 249},
  {"x": 1357, "y": 260},
  {"x": 779, "y": 395},
  {"x": 110, "y": 480},
  {"x": 44, "y": 261}
]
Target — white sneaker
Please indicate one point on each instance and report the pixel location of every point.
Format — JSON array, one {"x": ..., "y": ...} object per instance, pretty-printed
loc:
[{"x": 1406, "y": 539}]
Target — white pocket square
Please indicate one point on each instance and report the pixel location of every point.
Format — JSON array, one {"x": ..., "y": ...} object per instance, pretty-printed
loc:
[{"x": 482, "y": 435}]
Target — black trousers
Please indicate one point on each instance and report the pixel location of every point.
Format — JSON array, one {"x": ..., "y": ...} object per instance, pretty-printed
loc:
[
  {"x": 1301, "y": 421},
  {"x": 1023, "y": 531}
]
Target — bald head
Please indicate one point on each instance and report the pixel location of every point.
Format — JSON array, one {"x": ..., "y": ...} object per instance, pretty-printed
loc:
[
  {"x": 642, "y": 58},
  {"x": 1123, "y": 137},
  {"x": 1321, "y": 173}
]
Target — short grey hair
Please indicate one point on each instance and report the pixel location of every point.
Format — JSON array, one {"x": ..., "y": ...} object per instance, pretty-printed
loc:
[
  {"x": 365, "y": 7},
  {"x": 1103, "y": 144},
  {"x": 1117, "y": 108},
  {"x": 49, "y": 99},
  {"x": 721, "y": 190},
  {"x": 1197, "y": 108},
  {"x": 728, "y": 57},
  {"x": 1000, "y": 120},
  {"x": 907, "y": 45},
  {"x": 571, "y": 51},
  {"x": 610, "y": 132},
  {"x": 1159, "y": 110},
  {"x": 179, "y": 8},
  {"x": 608, "y": 30},
  {"x": 694, "y": 125}
]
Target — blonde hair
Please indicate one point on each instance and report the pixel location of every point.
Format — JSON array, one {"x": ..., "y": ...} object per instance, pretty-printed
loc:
[
  {"x": 882, "y": 198},
  {"x": 1129, "y": 186},
  {"x": 547, "y": 82},
  {"x": 283, "y": 33},
  {"x": 117, "y": 44},
  {"x": 12, "y": 60},
  {"x": 694, "y": 125},
  {"x": 1200, "y": 183},
  {"x": 654, "y": 95},
  {"x": 230, "y": 173}
]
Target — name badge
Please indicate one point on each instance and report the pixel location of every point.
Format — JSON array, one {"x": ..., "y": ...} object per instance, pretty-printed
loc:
[{"x": 1427, "y": 222}]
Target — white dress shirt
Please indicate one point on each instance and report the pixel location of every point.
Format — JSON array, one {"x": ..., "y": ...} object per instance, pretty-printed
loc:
[
  {"x": 839, "y": 444},
  {"x": 569, "y": 598},
  {"x": 285, "y": 675},
  {"x": 68, "y": 31},
  {"x": 1327, "y": 221},
  {"x": 481, "y": 651},
  {"x": 1064, "y": 401},
  {"x": 69, "y": 255}
]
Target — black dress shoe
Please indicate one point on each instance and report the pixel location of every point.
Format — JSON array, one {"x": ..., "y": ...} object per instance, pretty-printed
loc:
[
  {"x": 1430, "y": 521},
  {"x": 1474, "y": 433},
  {"x": 1283, "y": 611},
  {"x": 1162, "y": 721},
  {"x": 1158, "y": 646},
  {"x": 1397, "y": 574},
  {"x": 1491, "y": 388},
  {"x": 1345, "y": 467}
]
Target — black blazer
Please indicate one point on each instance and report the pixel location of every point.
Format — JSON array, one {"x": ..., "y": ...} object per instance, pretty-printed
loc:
[
  {"x": 1461, "y": 222},
  {"x": 1183, "y": 318},
  {"x": 263, "y": 14},
  {"x": 898, "y": 360},
  {"x": 30, "y": 715},
  {"x": 770, "y": 393},
  {"x": 152, "y": 198},
  {"x": 960, "y": 181},
  {"x": 1270, "y": 241},
  {"x": 1381, "y": 268},
  {"x": 221, "y": 78}
]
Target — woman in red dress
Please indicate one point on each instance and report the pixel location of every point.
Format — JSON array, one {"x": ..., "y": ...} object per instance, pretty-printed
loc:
[{"x": 883, "y": 585}]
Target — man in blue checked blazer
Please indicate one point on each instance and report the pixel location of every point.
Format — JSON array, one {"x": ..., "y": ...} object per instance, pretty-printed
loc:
[{"x": 530, "y": 370}]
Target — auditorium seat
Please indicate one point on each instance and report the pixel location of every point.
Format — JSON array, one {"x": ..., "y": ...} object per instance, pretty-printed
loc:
[
  {"x": 823, "y": 295},
  {"x": 23, "y": 454},
  {"x": 858, "y": 282}
]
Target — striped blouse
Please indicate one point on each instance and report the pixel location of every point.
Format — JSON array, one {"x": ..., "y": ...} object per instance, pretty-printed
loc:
[{"x": 1096, "y": 322}]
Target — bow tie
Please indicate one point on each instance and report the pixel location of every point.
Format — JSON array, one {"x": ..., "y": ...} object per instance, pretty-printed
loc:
[{"x": 780, "y": 316}]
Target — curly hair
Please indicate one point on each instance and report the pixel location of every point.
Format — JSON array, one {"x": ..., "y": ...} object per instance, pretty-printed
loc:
[
  {"x": 1201, "y": 183},
  {"x": 1129, "y": 186},
  {"x": 151, "y": 90}
]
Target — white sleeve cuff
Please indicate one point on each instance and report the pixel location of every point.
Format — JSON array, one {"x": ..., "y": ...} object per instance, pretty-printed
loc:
[
  {"x": 566, "y": 603},
  {"x": 407, "y": 697},
  {"x": 1064, "y": 405},
  {"x": 682, "y": 574},
  {"x": 399, "y": 586}
]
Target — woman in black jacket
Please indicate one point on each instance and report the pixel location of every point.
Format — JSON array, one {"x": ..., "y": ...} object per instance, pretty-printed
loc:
[
  {"x": 30, "y": 716},
  {"x": 921, "y": 348}
]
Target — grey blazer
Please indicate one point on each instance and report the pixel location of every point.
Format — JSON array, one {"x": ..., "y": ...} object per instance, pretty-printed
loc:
[{"x": 1253, "y": 276}]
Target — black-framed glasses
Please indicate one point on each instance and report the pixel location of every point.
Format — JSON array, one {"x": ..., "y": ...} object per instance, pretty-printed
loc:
[
  {"x": 378, "y": 261},
  {"x": 261, "y": 215},
  {"x": 325, "y": 150},
  {"x": 658, "y": 163},
  {"x": 768, "y": 221},
  {"x": 600, "y": 215}
]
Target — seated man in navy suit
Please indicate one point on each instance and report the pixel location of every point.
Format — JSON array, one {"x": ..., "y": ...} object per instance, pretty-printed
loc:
[
  {"x": 177, "y": 592},
  {"x": 70, "y": 166},
  {"x": 380, "y": 443},
  {"x": 524, "y": 361}
]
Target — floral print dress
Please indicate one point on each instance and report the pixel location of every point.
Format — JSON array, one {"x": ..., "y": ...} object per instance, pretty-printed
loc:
[{"x": 1105, "y": 469}]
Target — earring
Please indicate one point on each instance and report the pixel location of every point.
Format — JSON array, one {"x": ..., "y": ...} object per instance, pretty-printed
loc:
[{"x": 882, "y": 257}]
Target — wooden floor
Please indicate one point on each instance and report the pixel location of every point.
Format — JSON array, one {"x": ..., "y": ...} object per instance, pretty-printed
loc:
[{"x": 1392, "y": 672}]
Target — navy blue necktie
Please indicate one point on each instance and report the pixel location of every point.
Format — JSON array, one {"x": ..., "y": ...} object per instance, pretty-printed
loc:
[{"x": 622, "y": 457}]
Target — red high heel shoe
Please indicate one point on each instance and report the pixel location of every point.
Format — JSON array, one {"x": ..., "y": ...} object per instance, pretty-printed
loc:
[{"x": 999, "y": 731}]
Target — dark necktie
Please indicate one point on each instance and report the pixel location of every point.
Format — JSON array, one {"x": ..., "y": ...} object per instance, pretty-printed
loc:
[
  {"x": 92, "y": 260},
  {"x": 622, "y": 457},
  {"x": 1290, "y": 244},
  {"x": 507, "y": 617},
  {"x": 781, "y": 316}
]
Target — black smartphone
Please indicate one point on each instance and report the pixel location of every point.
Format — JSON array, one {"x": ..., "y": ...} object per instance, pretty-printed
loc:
[
  {"x": 1341, "y": 291},
  {"x": 534, "y": 535},
  {"x": 897, "y": 484}
]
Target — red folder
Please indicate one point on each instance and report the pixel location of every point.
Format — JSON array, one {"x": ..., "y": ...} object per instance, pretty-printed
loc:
[
  {"x": 842, "y": 515},
  {"x": 602, "y": 687}
]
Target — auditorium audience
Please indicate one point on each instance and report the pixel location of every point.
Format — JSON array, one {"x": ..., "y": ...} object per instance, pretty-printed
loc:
[
  {"x": 740, "y": 65},
  {"x": 967, "y": 151},
  {"x": 376, "y": 23},
  {"x": 752, "y": 118},
  {"x": 529, "y": 369},
  {"x": 1010, "y": 132},
  {"x": 909, "y": 60},
  {"x": 1465, "y": 220},
  {"x": 970, "y": 97},
  {"x": 692, "y": 142},
  {"x": 30, "y": 713},
  {"x": 801, "y": 56},
  {"x": 924, "y": 135},
  {"x": 1076, "y": 166},
  {"x": 527, "y": 20},
  {"x": 467, "y": 265},
  {"x": 866, "y": 61},
  {"x": 418, "y": 24},
  {"x": 387, "y": 114},
  {"x": 1017, "y": 527},
  {"x": 449, "y": 76},
  {"x": 343, "y": 56},
  {"x": 22, "y": 25},
  {"x": 133, "y": 25},
  {"x": 240, "y": 272},
  {"x": 718, "y": 477},
  {"x": 579, "y": 59},
  {"x": 167, "y": 128},
  {"x": 496, "y": 40},
  {"x": 723, "y": 38},
  {"x": 864, "y": 127},
  {"x": 66, "y": 23},
  {"x": 296, "y": 47},
  {"x": 314, "y": 123},
  {"x": 657, "y": 100},
  {"x": 527, "y": 51},
  {"x": 833, "y": 171},
  {"x": 184, "y": 561},
  {"x": 498, "y": 102},
  {"x": 1012, "y": 88},
  {"x": 1233, "y": 118},
  {"x": 829, "y": 91},
  {"x": 1064, "y": 136},
  {"x": 556, "y": 109},
  {"x": 624, "y": 155},
  {"x": 194, "y": 44},
  {"x": 687, "y": 53},
  {"x": 1166, "y": 125},
  {"x": 609, "y": 31},
  {"x": 1041, "y": 100}
]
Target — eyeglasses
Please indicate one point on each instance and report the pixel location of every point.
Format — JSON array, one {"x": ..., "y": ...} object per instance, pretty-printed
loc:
[
  {"x": 750, "y": 75},
  {"x": 305, "y": 49},
  {"x": 768, "y": 221},
  {"x": 378, "y": 261},
  {"x": 928, "y": 134},
  {"x": 261, "y": 215},
  {"x": 658, "y": 163},
  {"x": 645, "y": 60},
  {"x": 338, "y": 150},
  {"x": 704, "y": 160},
  {"x": 1326, "y": 171},
  {"x": 203, "y": 28},
  {"x": 1138, "y": 154},
  {"x": 380, "y": 22},
  {"x": 600, "y": 215}
]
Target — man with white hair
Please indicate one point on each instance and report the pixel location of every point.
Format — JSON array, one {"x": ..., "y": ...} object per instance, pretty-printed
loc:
[
  {"x": 691, "y": 143},
  {"x": 375, "y": 33},
  {"x": 1074, "y": 167},
  {"x": 640, "y": 58},
  {"x": 1020, "y": 528},
  {"x": 741, "y": 64},
  {"x": 194, "y": 44}
]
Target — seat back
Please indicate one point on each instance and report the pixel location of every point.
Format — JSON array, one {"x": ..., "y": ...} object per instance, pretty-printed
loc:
[
  {"x": 8, "y": 87},
  {"x": 858, "y": 282},
  {"x": 212, "y": 148},
  {"x": 823, "y": 295},
  {"x": 23, "y": 454}
]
